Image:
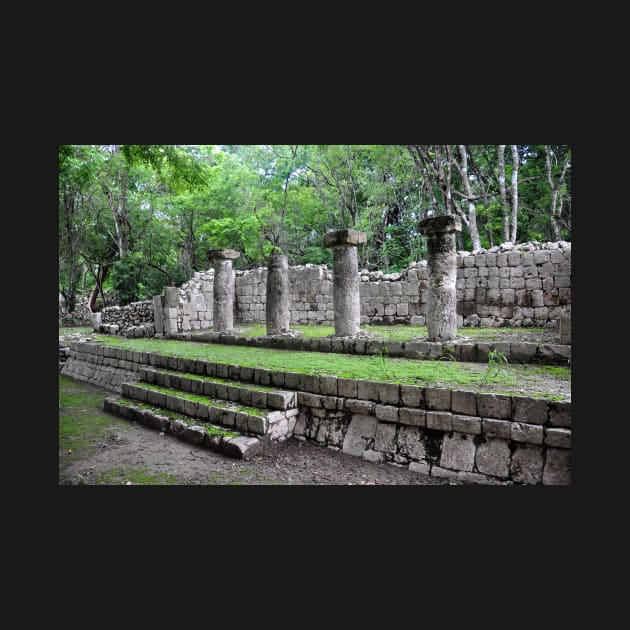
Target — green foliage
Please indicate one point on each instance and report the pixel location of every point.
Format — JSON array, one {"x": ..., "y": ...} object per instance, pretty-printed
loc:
[
  {"x": 163, "y": 207},
  {"x": 496, "y": 365}
]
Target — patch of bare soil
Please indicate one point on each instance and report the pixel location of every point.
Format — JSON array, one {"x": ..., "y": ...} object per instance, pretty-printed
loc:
[
  {"x": 291, "y": 462},
  {"x": 129, "y": 448}
]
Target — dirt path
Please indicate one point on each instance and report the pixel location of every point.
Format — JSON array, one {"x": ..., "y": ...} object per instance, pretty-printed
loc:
[{"x": 109, "y": 450}]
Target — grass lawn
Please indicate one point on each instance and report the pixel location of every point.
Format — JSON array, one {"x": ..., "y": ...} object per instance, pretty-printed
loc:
[{"x": 548, "y": 381}]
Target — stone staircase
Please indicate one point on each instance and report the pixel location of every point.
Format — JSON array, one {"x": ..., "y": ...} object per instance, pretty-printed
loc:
[{"x": 231, "y": 417}]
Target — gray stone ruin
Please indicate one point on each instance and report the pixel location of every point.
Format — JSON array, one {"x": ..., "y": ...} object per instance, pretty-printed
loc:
[
  {"x": 442, "y": 262},
  {"x": 278, "y": 306},
  {"x": 346, "y": 301},
  {"x": 565, "y": 328},
  {"x": 223, "y": 290},
  {"x": 170, "y": 301}
]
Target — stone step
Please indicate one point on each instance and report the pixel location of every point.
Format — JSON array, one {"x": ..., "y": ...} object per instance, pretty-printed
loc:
[
  {"x": 259, "y": 396},
  {"x": 271, "y": 425},
  {"x": 203, "y": 434}
]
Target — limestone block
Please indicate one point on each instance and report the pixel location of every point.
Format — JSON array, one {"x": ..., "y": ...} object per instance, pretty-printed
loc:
[
  {"x": 439, "y": 420},
  {"x": 493, "y": 458},
  {"x": 557, "y": 469},
  {"x": 458, "y": 452},
  {"x": 527, "y": 463}
]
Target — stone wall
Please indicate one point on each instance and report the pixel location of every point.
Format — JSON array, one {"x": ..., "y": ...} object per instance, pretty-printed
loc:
[
  {"x": 133, "y": 320},
  {"x": 475, "y": 437},
  {"x": 524, "y": 285}
]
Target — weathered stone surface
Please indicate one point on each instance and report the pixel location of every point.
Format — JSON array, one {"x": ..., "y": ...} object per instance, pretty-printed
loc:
[
  {"x": 471, "y": 477},
  {"x": 194, "y": 434},
  {"x": 494, "y": 406},
  {"x": 442, "y": 260},
  {"x": 565, "y": 328},
  {"x": 522, "y": 352},
  {"x": 557, "y": 469},
  {"x": 437, "y": 399},
  {"x": 309, "y": 400},
  {"x": 411, "y": 442},
  {"x": 412, "y": 396},
  {"x": 527, "y": 463},
  {"x": 386, "y": 413},
  {"x": 531, "y": 433},
  {"x": 359, "y": 430},
  {"x": 467, "y": 424},
  {"x": 241, "y": 447},
  {"x": 223, "y": 291},
  {"x": 385, "y": 438},
  {"x": 368, "y": 390},
  {"x": 493, "y": 458},
  {"x": 419, "y": 467},
  {"x": 363, "y": 407},
  {"x": 223, "y": 254},
  {"x": 464, "y": 402},
  {"x": 436, "y": 471},
  {"x": 328, "y": 385},
  {"x": 530, "y": 410},
  {"x": 344, "y": 237},
  {"x": 560, "y": 438},
  {"x": 255, "y": 424},
  {"x": 171, "y": 298},
  {"x": 373, "y": 456},
  {"x": 278, "y": 302},
  {"x": 346, "y": 299},
  {"x": 347, "y": 387},
  {"x": 281, "y": 400},
  {"x": 389, "y": 393},
  {"x": 458, "y": 452},
  {"x": 440, "y": 420},
  {"x": 560, "y": 414},
  {"x": 412, "y": 417},
  {"x": 496, "y": 428}
]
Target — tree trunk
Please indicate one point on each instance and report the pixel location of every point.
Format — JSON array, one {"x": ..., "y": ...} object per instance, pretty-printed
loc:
[
  {"x": 98, "y": 287},
  {"x": 472, "y": 213},
  {"x": 556, "y": 209},
  {"x": 505, "y": 212},
  {"x": 514, "y": 192}
]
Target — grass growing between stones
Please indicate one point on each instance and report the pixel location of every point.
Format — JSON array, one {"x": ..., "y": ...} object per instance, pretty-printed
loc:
[
  {"x": 202, "y": 399},
  {"x": 530, "y": 379},
  {"x": 211, "y": 429},
  {"x": 83, "y": 424},
  {"x": 402, "y": 332}
]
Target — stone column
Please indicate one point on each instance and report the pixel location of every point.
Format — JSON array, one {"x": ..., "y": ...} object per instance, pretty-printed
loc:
[
  {"x": 169, "y": 311},
  {"x": 278, "y": 305},
  {"x": 346, "y": 300},
  {"x": 158, "y": 315},
  {"x": 442, "y": 262},
  {"x": 95, "y": 320},
  {"x": 223, "y": 289}
]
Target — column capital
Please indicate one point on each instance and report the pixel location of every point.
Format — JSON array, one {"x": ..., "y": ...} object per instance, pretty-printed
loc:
[
  {"x": 344, "y": 237},
  {"x": 223, "y": 254},
  {"x": 442, "y": 224}
]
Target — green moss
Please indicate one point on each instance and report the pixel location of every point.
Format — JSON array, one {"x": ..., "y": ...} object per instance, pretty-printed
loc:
[
  {"x": 137, "y": 476},
  {"x": 215, "y": 379},
  {"x": 211, "y": 429},
  {"x": 83, "y": 424},
  {"x": 200, "y": 399}
]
